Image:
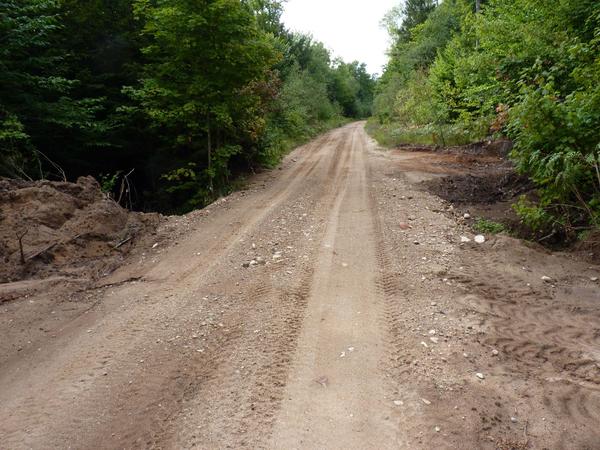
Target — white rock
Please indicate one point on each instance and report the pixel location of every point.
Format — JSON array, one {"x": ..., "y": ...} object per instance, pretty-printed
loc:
[
  {"x": 155, "y": 245},
  {"x": 398, "y": 402},
  {"x": 546, "y": 279},
  {"x": 594, "y": 279},
  {"x": 438, "y": 429},
  {"x": 464, "y": 239},
  {"x": 434, "y": 339},
  {"x": 467, "y": 216},
  {"x": 495, "y": 352},
  {"x": 513, "y": 420},
  {"x": 427, "y": 402},
  {"x": 479, "y": 375},
  {"x": 480, "y": 238}
]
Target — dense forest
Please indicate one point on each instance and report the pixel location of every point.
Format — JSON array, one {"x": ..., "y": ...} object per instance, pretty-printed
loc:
[
  {"x": 461, "y": 71},
  {"x": 166, "y": 102}
]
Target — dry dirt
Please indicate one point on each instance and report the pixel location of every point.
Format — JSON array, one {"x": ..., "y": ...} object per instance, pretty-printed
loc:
[
  {"x": 70, "y": 231},
  {"x": 360, "y": 321}
]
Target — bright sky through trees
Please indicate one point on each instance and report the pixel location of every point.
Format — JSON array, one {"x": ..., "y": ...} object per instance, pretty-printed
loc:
[{"x": 350, "y": 28}]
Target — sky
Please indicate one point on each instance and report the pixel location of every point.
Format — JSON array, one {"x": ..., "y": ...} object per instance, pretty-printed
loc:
[{"x": 349, "y": 28}]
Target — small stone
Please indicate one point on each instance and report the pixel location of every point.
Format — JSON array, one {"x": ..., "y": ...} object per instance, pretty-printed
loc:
[
  {"x": 495, "y": 352},
  {"x": 404, "y": 226},
  {"x": 513, "y": 420},
  {"x": 479, "y": 375},
  {"x": 438, "y": 429},
  {"x": 432, "y": 332},
  {"x": 323, "y": 381},
  {"x": 398, "y": 402},
  {"x": 594, "y": 279},
  {"x": 253, "y": 262},
  {"x": 546, "y": 279},
  {"x": 416, "y": 242},
  {"x": 434, "y": 339},
  {"x": 480, "y": 238},
  {"x": 464, "y": 239},
  {"x": 155, "y": 245},
  {"x": 260, "y": 260},
  {"x": 427, "y": 402},
  {"x": 467, "y": 216}
]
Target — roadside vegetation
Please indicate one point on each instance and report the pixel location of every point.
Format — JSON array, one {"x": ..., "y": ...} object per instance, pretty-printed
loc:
[
  {"x": 170, "y": 100},
  {"x": 461, "y": 71}
]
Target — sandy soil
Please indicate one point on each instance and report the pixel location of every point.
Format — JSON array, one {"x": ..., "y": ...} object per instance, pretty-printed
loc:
[{"x": 331, "y": 304}]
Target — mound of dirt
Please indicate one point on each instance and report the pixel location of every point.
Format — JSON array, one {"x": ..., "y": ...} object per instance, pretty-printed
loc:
[
  {"x": 495, "y": 186},
  {"x": 500, "y": 148},
  {"x": 68, "y": 229}
]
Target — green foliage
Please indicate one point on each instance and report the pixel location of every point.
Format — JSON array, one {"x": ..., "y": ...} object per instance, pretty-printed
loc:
[
  {"x": 443, "y": 134},
  {"x": 37, "y": 103},
  {"x": 535, "y": 216},
  {"x": 525, "y": 69},
  {"x": 488, "y": 226},
  {"x": 189, "y": 94},
  {"x": 108, "y": 182}
]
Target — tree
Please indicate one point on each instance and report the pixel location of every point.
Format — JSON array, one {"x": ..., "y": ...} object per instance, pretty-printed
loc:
[
  {"x": 400, "y": 20},
  {"x": 36, "y": 103},
  {"x": 203, "y": 59}
]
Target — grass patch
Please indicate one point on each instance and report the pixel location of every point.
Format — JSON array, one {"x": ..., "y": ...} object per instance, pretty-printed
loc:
[
  {"x": 488, "y": 226},
  {"x": 394, "y": 135}
]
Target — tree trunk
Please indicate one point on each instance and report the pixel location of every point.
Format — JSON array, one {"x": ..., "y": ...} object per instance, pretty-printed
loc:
[
  {"x": 209, "y": 148},
  {"x": 477, "y": 6}
]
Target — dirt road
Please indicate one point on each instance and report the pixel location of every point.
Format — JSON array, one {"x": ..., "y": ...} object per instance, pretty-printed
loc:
[{"x": 331, "y": 305}]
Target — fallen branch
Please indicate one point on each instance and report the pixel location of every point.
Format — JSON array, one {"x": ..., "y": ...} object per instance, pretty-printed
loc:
[
  {"x": 50, "y": 247},
  {"x": 123, "y": 242},
  {"x": 42, "y": 251}
]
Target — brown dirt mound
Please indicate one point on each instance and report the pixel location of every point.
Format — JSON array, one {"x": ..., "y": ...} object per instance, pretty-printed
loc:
[
  {"x": 500, "y": 148},
  {"x": 70, "y": 229},
  {"x": 490, "y": 188}
]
